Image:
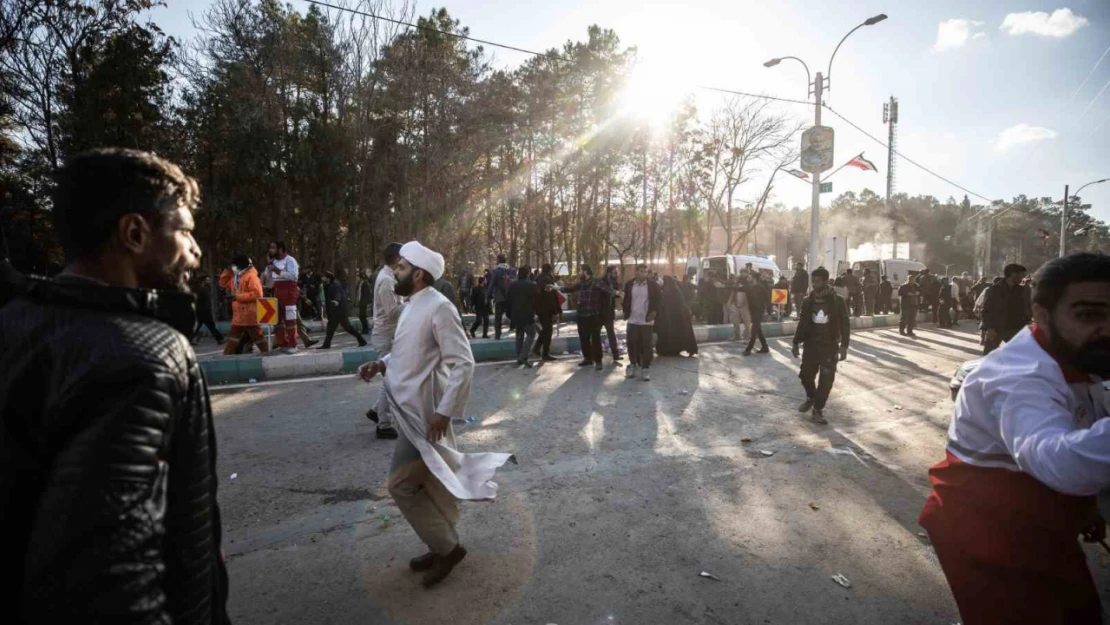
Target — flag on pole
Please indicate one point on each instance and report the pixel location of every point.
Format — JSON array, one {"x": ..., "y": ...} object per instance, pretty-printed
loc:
[
  {"x": 862, "y": 163},
  {"x": 798, "y": 174}
]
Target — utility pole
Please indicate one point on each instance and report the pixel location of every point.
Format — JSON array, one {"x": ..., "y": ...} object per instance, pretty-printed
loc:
[
  {"x": 890, "y": 118},
  {"x": 1064, "y": 223},
  {"x": 815, "y": 215}
]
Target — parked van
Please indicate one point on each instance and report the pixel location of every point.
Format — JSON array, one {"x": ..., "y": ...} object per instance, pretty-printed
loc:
[
  {"x": 728, "y": 265},
  {"x": 894, "y": 268}
]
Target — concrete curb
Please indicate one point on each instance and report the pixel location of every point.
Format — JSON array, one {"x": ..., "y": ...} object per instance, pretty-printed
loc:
[
  {"x": 320, "y": 326},
  {"x": 247, "y": 368}
]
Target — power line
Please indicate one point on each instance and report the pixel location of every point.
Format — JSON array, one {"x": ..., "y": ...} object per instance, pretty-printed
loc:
[
  {"x": 910, "y": 160},
  {"x": 755, "y": 95},
  {"x": 428, "y": 28},
  {"x": 1089, "y": 74},
  {"x": 1094, "y": 99}
]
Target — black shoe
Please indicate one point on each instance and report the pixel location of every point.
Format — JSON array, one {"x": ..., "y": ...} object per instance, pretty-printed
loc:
[
  {"x": 442, "y": 566},
  {"x": 806, "y": 405},
  {"x": 387, "y": 432},
  {"x": 818, "y": 417},
  {"x": 424, "y": 562},
  {"x": 362, "y": 343},
  {"x": 618, "y": 358},
  {"x": 526, "y": 365},
  {"x": 585, "y": 363},
  {"x": 472, "y": 335},
  {"x": 549, "y": 358},
  {"x": 598, "y": 366},
  {"x": 372, "y": 415},
  {"x": 485, "y": 336},
  {"x": 765, "y": 350},
  {"x": 747, "y": 352},
  {"x": 309, "y": 343},
  {"x": 902, "y": 332},
  {"x": 324, "y": 346}
]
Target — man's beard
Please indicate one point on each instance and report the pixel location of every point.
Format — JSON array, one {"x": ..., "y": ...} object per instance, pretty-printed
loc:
[
  {"x": 172, "y": 277},
  {"x": 405, "y": 286},
  {"x": 1092, "y": 357}
]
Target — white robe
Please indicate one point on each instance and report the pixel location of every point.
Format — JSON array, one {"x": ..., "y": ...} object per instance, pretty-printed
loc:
[{"x": 428, "y": 373}]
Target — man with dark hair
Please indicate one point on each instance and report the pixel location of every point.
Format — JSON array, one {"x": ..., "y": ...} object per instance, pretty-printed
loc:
[
  {"x": 907, "y": 306},
  {"x": 886, "y": 291},
  {"x": 591, "y": 292},
  {"x": 823, "y": 329},
  {"x": 870, "y": 290},
  {"x": 855, "y": 292},
  {"x": 523, "y": 295},
  {"x": 548, "y": 310},
  {"x": 799, "y": 285},
  {"x": 480, "y": 306},
  {"x": 283, "y": 271},
  {"x": 1028, "y": 449},
  {"x": 339, "y": 305},
  {"x": 641, "y": 303},
  {"x": 1004, "y": 310},
  {"x": 497, "y": 292},
  {"x": 427, "y": 381},
  {"x": 609, "y": 311},
  {"x": 387, "y": 310},
  {"x": 108, "y": 450}
]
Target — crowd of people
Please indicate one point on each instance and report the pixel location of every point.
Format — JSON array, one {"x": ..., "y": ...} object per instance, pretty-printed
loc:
[{"x": 108, "y": 447}]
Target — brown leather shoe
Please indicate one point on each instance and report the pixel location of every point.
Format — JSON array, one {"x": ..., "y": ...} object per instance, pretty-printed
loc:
[
  {"x": 424, "y": 562},
  {"x": 442, "y": 566}
]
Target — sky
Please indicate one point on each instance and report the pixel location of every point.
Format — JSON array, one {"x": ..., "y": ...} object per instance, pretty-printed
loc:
[{"x": 997, "y": 96}]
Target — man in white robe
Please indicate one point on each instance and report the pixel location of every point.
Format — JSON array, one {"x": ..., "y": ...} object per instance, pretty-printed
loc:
[{"x": 427, "y": 383}]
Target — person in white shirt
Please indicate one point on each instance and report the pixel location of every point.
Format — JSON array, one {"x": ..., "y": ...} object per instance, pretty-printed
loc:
[
  {"x": 283, "y": 270},
  {"x": 387, "y": 310},
  {"x": 1028, "y": 449},
  {"x": 427, "y": 382}
]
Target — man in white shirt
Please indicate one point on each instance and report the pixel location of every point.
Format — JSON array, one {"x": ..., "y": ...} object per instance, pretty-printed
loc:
[
  {"x": 427, "y": 382},
  {"x": 283, "y": 270},
  {"x": 387, "y": 310},
  {"x": 1028, "y": 449},
  {"x": 642, "y": 298}
]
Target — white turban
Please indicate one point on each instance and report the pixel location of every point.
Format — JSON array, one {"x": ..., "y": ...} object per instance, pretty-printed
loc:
[{"x": 423, "y": 258}]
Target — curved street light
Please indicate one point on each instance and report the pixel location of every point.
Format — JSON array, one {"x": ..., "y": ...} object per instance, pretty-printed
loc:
[
  {"x": 818, "y": 100},
  {"x": 1064, "y": 213}
]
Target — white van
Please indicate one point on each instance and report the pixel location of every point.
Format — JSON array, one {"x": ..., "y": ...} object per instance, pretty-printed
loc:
[
  {"x": 896, "y": 269},
  {"x": 728, "y": 265}
]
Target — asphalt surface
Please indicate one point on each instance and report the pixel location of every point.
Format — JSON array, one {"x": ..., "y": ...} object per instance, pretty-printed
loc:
[{"x": 625, "y": 492}]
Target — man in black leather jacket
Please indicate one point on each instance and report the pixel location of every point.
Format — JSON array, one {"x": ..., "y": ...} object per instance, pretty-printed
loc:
[{"x": 108, "y": 507}]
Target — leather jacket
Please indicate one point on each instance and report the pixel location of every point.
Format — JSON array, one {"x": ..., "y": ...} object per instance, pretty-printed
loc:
[{"x": 108, "y": 508}]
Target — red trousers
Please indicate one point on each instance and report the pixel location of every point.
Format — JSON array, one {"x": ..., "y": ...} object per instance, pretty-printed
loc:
[{"x": 287, "y": 294}]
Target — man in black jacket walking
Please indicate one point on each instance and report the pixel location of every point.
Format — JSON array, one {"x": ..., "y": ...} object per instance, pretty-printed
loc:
[
  {"x": 823, "y": 329},
  {"x": 108, "y": 510},
  {"x": 799, "y": 285},
  {"x": 522, "y": 307},
  {"x": 758, "y": 297},
  {"x": 1004, "y": 310},
  {"x": 339, "y": 306},
  {"x": 547, "y": 309}
]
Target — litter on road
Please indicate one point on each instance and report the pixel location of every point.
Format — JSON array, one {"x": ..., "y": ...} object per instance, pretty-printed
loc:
[
  {"x": 813, "y": 506},
  {"x": 843, "y": 581},
  {"x": 745, "y": 440},
  {"x": 234, "y": 475},
  {"x": 709, "y": 575},
  {"x": 767, "y": 453}
]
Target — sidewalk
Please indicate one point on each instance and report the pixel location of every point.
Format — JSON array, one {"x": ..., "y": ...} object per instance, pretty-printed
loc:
[{"x": 255, "y": 368}]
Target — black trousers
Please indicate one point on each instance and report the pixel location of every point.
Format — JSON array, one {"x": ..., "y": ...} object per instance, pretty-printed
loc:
[
  {"x": 339, "y": 318},
  {"x": 362, "y": 310},
  {"x": 869, "y": 293},
  {"x": 464, "y": 297},
  {"x": 640, "y": 347},
  {"x": 907, "y": 321},
  {"x": 818, "y": 363},
  {"x": 499, "y": 311},
  {"x": 204, "y": 317},
  {"x": 757, "y": 333},
  {"x": 607, "y": 318},
  {"x": 856, "y": 300},
  {"x": 547, "y": 328},
  {"x": 883, "y": 304},
  {"x": 481, "y": 318},
  {"x": 589, "y": 334}
]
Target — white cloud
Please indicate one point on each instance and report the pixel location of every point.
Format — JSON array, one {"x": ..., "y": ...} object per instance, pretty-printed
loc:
[
  {"x": 1061, "y": 23},
  {"x": 1021, "y": 133},
  {"x": 955, "y": 33}
]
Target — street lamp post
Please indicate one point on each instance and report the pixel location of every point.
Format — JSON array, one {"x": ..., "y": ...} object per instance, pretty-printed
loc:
[
  {"x": 818, "y": 93},
  {"x": 1064, "y": 214}
]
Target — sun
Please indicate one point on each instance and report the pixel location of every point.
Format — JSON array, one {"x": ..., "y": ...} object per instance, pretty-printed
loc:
[{"x": 652, "y": 93}]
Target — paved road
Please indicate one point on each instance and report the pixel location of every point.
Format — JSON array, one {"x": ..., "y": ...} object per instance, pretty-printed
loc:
[{"x": 625, "y": 492}]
